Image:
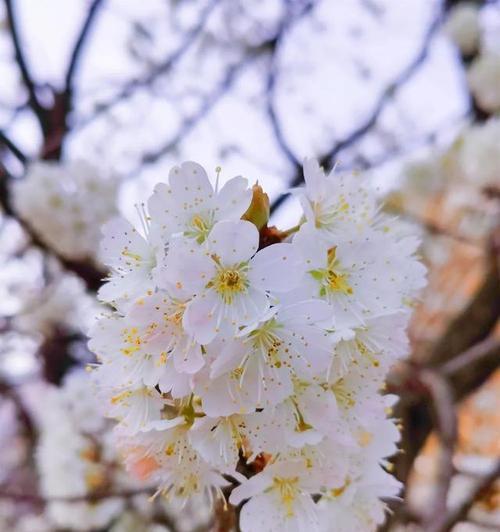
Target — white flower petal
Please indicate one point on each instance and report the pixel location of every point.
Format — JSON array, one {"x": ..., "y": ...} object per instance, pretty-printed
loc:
[
  {"x": 233, "y": 199},
  {"x": 277, "y": 268},
  {"x": 202, "y": 317},
  {"x": 234, "y": 241}
]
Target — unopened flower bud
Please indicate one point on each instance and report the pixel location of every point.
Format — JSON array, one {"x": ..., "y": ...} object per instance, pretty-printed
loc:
[{"x": 259, "y": 210}]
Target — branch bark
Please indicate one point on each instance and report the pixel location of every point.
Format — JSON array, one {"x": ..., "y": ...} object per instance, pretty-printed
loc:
[
  {"x": 80, "y": 44},
  {"x": 7, "y": 142},
  {"x": 478, "y": 318},
  {"x": 445, "y": 423},
  {"x": 460, "y": 513},
  {"x": 34, "y": 103}
]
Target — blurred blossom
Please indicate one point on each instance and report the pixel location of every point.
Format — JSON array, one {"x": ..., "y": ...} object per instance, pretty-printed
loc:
[
  {"x": 63, "y": 303},
  {"x": 462, "y": 25},
  {"x": 484, "y": 81},
  {"x": 479, "y": 153},
  {"x": 457, "y": 176},
  {"x": 76, "y": 457},
  {"x": 66, "y": 204}
]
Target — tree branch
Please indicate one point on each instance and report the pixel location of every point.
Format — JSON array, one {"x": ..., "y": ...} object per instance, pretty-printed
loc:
[
  {"x": 18, "y": 154},
  {"x": 38, "y": 499},
  {"x": 22, "y": 412},
  {"x": 210, "y": 102},
  {"x": 34, "y": 103},
  {"x": 289, "y": 20},
  {"x": 78, "y": 49},
  {"x": 435, "y": 229},
  {"x": 445, "y": 423},
  {"x": 470, "y": 369},
  {"x": 477, "y": 319},
  {"x": 471, "y": 326},
  {"x": 386, "y": 96},
  {"x": 460, "y": 513},
  {"x": 160, "y": 69}
]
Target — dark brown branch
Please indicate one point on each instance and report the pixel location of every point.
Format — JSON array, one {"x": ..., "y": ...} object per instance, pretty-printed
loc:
[
  {"x": 475, "y": 367},
  {"x": 34, "y": 103},
  {"x": 470, "y": 327},
  {"x": 385, "y": 97},
  {"x": 7, "y": 142},
  {"x": 39, "y": 500},
  {"x": 475, "y": 322},
  {"x": 22, "y": 412},
  {"x": 445, "y": 423},
  {"x": 289, "y": 20},
  {"x": 78, "y": 49},
  {"x": 461, "y": 370},
  {"x": 460, "y": 513}
]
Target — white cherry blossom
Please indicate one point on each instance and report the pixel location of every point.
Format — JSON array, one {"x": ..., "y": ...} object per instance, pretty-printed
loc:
[
  {"x": 66, "y": 204},
  {"x": 280, "y": 499},
  {"x": 189, "y": 205},
  {"x": 230, "y": 281},
  {"x": 335, "y": 201},
  {"x": 131, "y": 259}
]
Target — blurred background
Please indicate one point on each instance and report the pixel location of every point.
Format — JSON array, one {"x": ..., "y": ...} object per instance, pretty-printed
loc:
[{"x": 98, "y": 99}]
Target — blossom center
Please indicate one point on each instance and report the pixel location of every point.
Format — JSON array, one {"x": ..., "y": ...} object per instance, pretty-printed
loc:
[
  {"x": 337, "y": 282},
  {"x": 268, "y": 342},
  {"x": 343, "y": 395},
  {"x": 229, "y": 282},
  {"x": 332, "y": 279},
  {"x": 132, "y": 341},
  {"x": 326, "y": 214},
  {"x": 288, "y": 491},
  {"x": 175, "y": 317},
  {"x": 199, "y": 227},
  {"x": 367, "y": 353}
]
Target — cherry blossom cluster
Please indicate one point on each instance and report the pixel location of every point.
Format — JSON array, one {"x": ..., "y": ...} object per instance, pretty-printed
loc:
[
  {"x": 66, "y": 204},
  {"x": 77, "y": 460},
  {"x": 254, "y": 372}
]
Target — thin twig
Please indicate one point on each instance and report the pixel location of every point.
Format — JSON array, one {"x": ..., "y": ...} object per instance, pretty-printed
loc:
[
  {"x": 288, "y": 20},
  {"x": 160, "y": 69},
  {"x": 434, "y": 229},
  {"x": 460, "y": 513},
  {"x": 445, "y": 424},
  {"x": 475, "y": 354},
  {"x": 79, "y": 46},
  {"x": 4, "y": 139},
  {"x": 190, "y": 122},
  {"x": 38, "y": 499},
  {"x": 21, "y": 63},
  {"x": 384, "y": 98}
]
